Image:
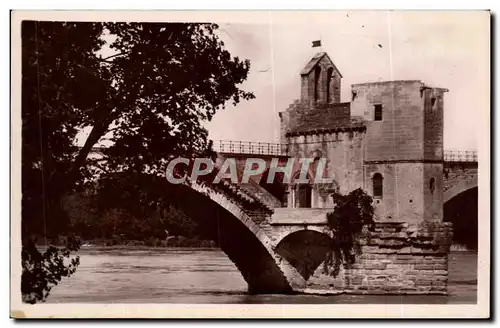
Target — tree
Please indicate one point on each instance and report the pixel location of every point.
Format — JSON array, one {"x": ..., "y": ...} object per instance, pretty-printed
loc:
[
  {"x": 57, "y": 62},
  {"x": 352, "y": 212},
  {"x": 148, "y": 99},
  {"x": 42, "y": 271},
  {"x": 146, "y": 206}
]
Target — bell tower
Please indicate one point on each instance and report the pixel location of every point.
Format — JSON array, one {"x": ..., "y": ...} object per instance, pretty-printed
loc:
[{"x": 320, "y": 81}]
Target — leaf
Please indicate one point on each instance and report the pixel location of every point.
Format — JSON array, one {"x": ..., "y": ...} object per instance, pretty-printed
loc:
[{"x": 351, "y": 213}]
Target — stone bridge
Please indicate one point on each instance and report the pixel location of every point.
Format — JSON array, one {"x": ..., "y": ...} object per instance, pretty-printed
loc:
[
  {"x": 460, "y": 197},
  {"x": 387, "y": 140},
  {"x": 460, "y": 169},
  {"x": 459, "y": 175},
  {"x": 280, "y": 250},
  {"x": 300, "y": 236},
  {"x": 275, "y": 250}
]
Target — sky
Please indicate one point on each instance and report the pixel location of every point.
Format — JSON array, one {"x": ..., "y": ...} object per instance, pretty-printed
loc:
[{"x": 443, "y": 49}]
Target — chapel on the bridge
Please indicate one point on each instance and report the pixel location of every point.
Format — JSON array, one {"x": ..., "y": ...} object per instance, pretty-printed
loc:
[{"x": 387, "y": 139}]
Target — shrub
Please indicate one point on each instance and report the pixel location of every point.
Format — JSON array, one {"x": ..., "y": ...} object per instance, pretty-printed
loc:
[
  {"x": 352, "y": 212},
  {"x": 152, "y": 242}
]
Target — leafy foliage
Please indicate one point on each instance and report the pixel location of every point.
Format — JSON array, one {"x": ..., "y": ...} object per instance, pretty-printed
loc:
[
  {"x": 147, "y": 98},
  {"x": 352, "y": 212},
  {"x": 143, "y": 205},
  {"x": 59, "y": 75},
  {"x": 44, "y": 270}
]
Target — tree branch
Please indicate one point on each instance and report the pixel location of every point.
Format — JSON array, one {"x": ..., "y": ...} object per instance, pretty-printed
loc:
[
  {"x": 94, "y": 136},
  {"x": 112, "y": 56}
]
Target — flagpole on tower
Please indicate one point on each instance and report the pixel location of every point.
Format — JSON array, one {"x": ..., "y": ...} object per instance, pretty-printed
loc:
[
  {"x": 317, "y": 43},
  {"x": 320, "y": 43}
]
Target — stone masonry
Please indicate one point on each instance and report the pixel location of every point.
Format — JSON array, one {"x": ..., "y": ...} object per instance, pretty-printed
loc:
[
  {"x": 386, "y": 140},
  {"x": 392, "y": 131},
  {"x": 395, "y": 259}
]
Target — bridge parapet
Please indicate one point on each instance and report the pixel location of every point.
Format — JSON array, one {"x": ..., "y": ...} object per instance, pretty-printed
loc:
[
  {"x": 249, "y": 147},
  {"x": 462, "y": 156},
  {"x": 268, "y": 148}
]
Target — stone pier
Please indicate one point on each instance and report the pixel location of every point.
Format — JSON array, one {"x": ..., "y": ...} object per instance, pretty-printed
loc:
[{"x": 394, "y": 259}]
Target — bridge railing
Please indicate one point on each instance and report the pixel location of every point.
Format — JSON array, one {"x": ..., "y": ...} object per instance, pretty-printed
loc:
[
  {"x": 249, "y": 147},
  {"x": 460, "y": 156},
  {"x": 267, "y": 148}
]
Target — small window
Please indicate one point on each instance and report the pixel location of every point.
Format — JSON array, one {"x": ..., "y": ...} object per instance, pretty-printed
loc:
[
  {"x": 432, "y": 185},
  {"x": 433, "y": 102},
  {"x": 378, "y": 185},
  {"x": 303, "y": 196},
  {"x": 329, "y": 77},
  {"x": 378, "y": 112},
  {"x": 317, "y": 73}
]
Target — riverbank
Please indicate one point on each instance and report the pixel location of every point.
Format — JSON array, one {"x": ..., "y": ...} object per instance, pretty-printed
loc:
[
  {"x": 170, "y": 242},
  {"x": 177, "y": 241}
]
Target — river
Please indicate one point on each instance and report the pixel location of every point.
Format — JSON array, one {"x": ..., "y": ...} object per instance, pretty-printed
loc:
[{"x": 174, "y": 275}]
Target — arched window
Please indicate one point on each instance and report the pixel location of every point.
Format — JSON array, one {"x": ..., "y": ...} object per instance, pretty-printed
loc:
[
  {"x": 432, "y": 185},
  {"x": 329, "y": 77},
  {"x": 378, "y": 185},
  {"x": 317, "y": 73}
]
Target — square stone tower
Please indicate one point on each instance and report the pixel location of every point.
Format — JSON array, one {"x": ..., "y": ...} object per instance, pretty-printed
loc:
[{"x": 403, "y": 148}]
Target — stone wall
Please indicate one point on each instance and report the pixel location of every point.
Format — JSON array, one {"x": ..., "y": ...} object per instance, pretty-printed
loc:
[
  {"x": 400, "y": 133},
  {"x": 301, "y": 117},
  {"x": 433, "y": 123},
  {"x": 343, "y": 152},
  {"x": 403, "y": 191},
  {"x": 433, "y": 191},
  {"x": 395, "y": 259}
]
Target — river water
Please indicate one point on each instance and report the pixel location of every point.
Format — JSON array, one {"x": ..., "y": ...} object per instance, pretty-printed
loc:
[{"x": 174, "y": 275}]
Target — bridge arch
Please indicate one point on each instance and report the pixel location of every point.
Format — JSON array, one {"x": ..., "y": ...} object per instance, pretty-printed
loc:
[
  {"x": 305, "y": 249},
  {"x": 462, "y": 210},
  {"x": 460, "y": 198},
  {"x": 458, "y": 188},
  {"x": 240, "y": 237}
]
